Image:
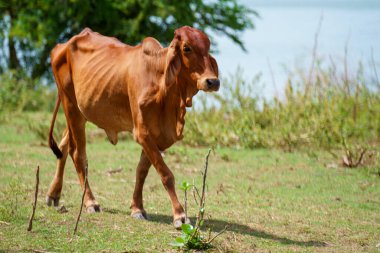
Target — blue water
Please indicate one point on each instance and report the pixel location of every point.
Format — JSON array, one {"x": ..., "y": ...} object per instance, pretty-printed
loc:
[{"x": 284, "y": 38}]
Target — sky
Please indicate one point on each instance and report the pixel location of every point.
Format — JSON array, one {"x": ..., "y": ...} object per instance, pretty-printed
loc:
[{"x": 285, "y": 33}]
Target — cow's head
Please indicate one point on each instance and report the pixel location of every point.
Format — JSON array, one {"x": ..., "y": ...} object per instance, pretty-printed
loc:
[{"x": 190, "y": 64}]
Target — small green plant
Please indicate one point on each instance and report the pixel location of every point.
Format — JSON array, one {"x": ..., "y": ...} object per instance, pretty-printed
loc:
[{"x": 192, "y": 237}]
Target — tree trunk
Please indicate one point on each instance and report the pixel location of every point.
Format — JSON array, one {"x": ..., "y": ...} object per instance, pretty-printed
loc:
[
  {"x": 13, "y": 60},
  {"x": 41, "y": 65}
]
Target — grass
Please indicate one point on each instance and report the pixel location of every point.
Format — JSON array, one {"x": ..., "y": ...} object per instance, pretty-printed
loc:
[{"x": 271, "y": 200}]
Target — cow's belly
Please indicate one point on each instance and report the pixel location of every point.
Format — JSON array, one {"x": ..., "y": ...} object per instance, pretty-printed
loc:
[
  {"x": 108, "y": 116},
  {"x": 100, "y": 89},
  {"x": 102, "y": 93},
  {"x": 107, "y": 106}
]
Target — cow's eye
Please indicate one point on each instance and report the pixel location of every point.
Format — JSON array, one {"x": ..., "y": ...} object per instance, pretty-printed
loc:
[{"x": 186, "y": 49}]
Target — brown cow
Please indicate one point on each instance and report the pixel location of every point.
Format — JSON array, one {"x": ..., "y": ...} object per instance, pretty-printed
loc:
[{"x": 143, "y": 89}]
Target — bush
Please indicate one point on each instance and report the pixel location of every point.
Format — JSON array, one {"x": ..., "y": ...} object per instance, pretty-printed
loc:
[
  {"x": 320, "y": 108},
  {"x": 20, "y": 93},
  {"x": 321, "y": 111}
]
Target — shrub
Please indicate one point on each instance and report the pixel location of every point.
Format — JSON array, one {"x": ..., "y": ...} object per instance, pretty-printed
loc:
[
  {"x": 323, "y": 110},
  {"x": 20, "y": 93}
]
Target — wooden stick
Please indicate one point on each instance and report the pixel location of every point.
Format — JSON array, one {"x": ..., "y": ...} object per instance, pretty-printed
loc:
[
  {"x": 40, "y": 251},
  {"x": 358, "y": 162},
  {"x": 218, "y": 234},
  {"x": 81, "y": 205},
  {"x": 35, "y": 199},
  {"x": 202, "y": 199},
  {"x": 195, "y": 190}
]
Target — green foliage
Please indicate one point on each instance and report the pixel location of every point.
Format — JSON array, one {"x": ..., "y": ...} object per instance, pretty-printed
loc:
[
  {"x": 185, "y": 186},
  {"x": 191, "y": 239},
  {"x": 34, "y": 27},
  {"x": 20, "y": 93},
  {"x": 40, "y": 125},
  {"x": 261, "y": 194},
  {"x": 320, "y": 111}
]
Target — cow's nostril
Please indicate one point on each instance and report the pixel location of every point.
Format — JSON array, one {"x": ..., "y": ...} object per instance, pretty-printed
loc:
[
  {"x": 213, "y": 83},
  {"x": 209, "y": 83},
  {"x": 216, "y": 83}
]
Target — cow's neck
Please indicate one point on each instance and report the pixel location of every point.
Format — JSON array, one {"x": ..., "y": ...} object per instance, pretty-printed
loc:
[{"x": 177, "y": 98}]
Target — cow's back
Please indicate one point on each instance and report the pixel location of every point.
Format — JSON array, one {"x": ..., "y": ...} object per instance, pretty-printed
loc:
[{"x": 91, "y": 70}]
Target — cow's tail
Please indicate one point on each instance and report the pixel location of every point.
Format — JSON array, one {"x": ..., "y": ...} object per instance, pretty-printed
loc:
[{"x": 52, "y": 143}]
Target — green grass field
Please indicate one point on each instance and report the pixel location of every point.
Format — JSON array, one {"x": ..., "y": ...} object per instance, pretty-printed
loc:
[{"x": 272, "y": 201}]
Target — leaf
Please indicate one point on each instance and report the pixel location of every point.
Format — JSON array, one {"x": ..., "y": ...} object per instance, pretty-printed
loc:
[
  {"x": 176, "y": 244},
  {"x": 179, "y": 242},
  {"x": 36, "y": 32},
  {"x": 180, "y": 239},
  {"x": 187, "y": 228},
  {"x": 185, "y": 185}
]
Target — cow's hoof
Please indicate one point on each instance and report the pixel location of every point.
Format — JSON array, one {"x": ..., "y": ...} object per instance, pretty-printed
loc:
[
  {"x": 139, "y": 215},
  {"x": 178, "y": 222},
  {"x": 51, "y": 200},
  {"x": 93, "y": 209}
]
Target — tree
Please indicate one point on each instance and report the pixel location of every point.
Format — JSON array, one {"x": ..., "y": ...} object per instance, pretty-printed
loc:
[{"x": 31, "y": 28}]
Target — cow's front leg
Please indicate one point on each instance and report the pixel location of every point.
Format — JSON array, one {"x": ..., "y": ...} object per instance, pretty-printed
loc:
[
  {"x": 167, "y": 177},
  {"x": 137, "y": 206}
]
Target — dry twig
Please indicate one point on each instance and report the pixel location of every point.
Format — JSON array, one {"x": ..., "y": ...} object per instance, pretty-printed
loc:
[
  {"x": 4, "y": 223},
  {"x": 40, "y": 251},
  {"x": 81, "y": 206},
  {"x": 218, "y": 234},
  {"x": 273, "y": 79},
  {"x": 314, "y": 56},
  {"x": 203, "y": 194},
  {"x": 35, "y": 199},
  {"x": 110, "y": 172},
  {"x": 348, "y": 158},
  {"x": 202, "y": 199},
  {"x": 195, "y": 190},
  {"x": 375, "y": 69}
]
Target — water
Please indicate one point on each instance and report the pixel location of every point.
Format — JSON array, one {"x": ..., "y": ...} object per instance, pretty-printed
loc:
[{"x": 284, "y": 38}]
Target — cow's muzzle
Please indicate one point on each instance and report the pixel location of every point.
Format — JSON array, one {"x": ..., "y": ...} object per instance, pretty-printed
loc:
[{"x": 212, "y": 84}]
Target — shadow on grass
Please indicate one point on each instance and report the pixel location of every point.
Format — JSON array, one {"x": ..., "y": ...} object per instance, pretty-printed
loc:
[{"x": 218, "y": 225}]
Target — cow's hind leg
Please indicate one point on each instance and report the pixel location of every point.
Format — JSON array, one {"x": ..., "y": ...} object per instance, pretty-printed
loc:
[
  {"x": 55, "y": 188},
  {"x": 77, "y": 150},
  {"x": 137, "y": 207}
]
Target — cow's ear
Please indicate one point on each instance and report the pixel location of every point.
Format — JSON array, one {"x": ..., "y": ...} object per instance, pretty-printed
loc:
[
  {"x": 173, "y": 61},
  {"x": 214, "y": 65}
]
